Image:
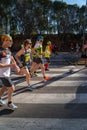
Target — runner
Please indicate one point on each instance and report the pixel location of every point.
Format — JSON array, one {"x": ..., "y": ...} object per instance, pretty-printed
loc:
[
  {"x": 47, "y": 54},
  {"x": 6, "y": 63},
  {"x": 37, "y": 58},
  {"x": 23, "y": 59}
]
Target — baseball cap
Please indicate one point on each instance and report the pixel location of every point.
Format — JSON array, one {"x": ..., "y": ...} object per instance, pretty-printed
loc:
[{"x": 39, "y": 37}]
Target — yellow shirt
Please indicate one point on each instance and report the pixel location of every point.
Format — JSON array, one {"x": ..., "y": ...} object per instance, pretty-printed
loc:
[{"x": 47, "y": 51}]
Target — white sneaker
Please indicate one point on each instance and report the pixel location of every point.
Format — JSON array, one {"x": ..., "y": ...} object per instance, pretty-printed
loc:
[
  {"x": 2, "y": 103},
  {"x": 12, "y": 106}
]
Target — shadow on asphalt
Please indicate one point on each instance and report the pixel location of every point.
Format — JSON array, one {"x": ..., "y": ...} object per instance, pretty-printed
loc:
[
  {"x": 41, "y": 84},
  {"x": 56, "y": 78},
  {"x": 6, "y": 111},
  {"x": 81, "y": 89}
]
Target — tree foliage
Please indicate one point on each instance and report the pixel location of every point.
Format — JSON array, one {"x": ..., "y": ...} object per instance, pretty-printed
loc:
[{"x": 41, "y": 17}]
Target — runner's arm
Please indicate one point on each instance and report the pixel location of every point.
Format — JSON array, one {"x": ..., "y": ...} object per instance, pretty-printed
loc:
[{"x": 18, "y": 54}]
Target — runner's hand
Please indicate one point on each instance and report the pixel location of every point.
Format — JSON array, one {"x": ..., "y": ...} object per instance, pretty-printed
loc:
[{"x": 15, "y": 66}]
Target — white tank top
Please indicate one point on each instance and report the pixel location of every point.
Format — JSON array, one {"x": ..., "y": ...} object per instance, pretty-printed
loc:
[{"x": 5, "y": 58}]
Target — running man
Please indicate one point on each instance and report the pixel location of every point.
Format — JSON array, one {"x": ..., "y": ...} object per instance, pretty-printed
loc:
[
  {"x": 37, "y": 58},
  {"x": 6, "y": 63},
  {"x": 47, "y": 54}
]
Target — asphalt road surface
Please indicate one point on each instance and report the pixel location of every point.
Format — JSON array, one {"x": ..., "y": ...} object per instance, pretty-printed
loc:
[{"x": 57, "y": 104}]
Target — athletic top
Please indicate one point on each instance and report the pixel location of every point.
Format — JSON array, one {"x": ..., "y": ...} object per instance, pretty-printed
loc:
[
  {"x": 47, "y": 51},
  {"x": 5, "y": 58},
  {"x": 38, "y": 48},
  {"x": 25, "y": 58}
]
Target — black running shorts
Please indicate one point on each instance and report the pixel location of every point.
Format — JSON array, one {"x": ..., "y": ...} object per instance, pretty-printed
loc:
[
  {"x": 6, "y": 81},
  {"x": 38, "y": 60}
]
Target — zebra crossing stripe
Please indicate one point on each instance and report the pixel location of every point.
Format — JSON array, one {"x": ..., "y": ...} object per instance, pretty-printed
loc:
[{"x": 50, "y": 98}]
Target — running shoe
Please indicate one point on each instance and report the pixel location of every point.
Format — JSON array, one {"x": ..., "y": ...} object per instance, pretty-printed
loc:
[
  {"x": 2, "y": 103},
  {"x": 12, "y": 106},
  {"x": 30, "y": 87},
  {"x": 46, "y": 78}
]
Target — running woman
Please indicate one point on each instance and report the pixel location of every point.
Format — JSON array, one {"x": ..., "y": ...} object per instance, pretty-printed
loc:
[{"x": 23, "y": 59}]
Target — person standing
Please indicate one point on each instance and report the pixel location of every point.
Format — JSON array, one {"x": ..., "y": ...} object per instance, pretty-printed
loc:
[
  {"x": 84, "y": 52},
  {"x": 72, "y": 48},
  {"x": 6, "y": 63},
  {"x": 77, "y": 48}
]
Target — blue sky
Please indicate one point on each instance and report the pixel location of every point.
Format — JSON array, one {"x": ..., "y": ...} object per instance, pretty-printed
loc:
[{"x": 78, "y": 2}]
